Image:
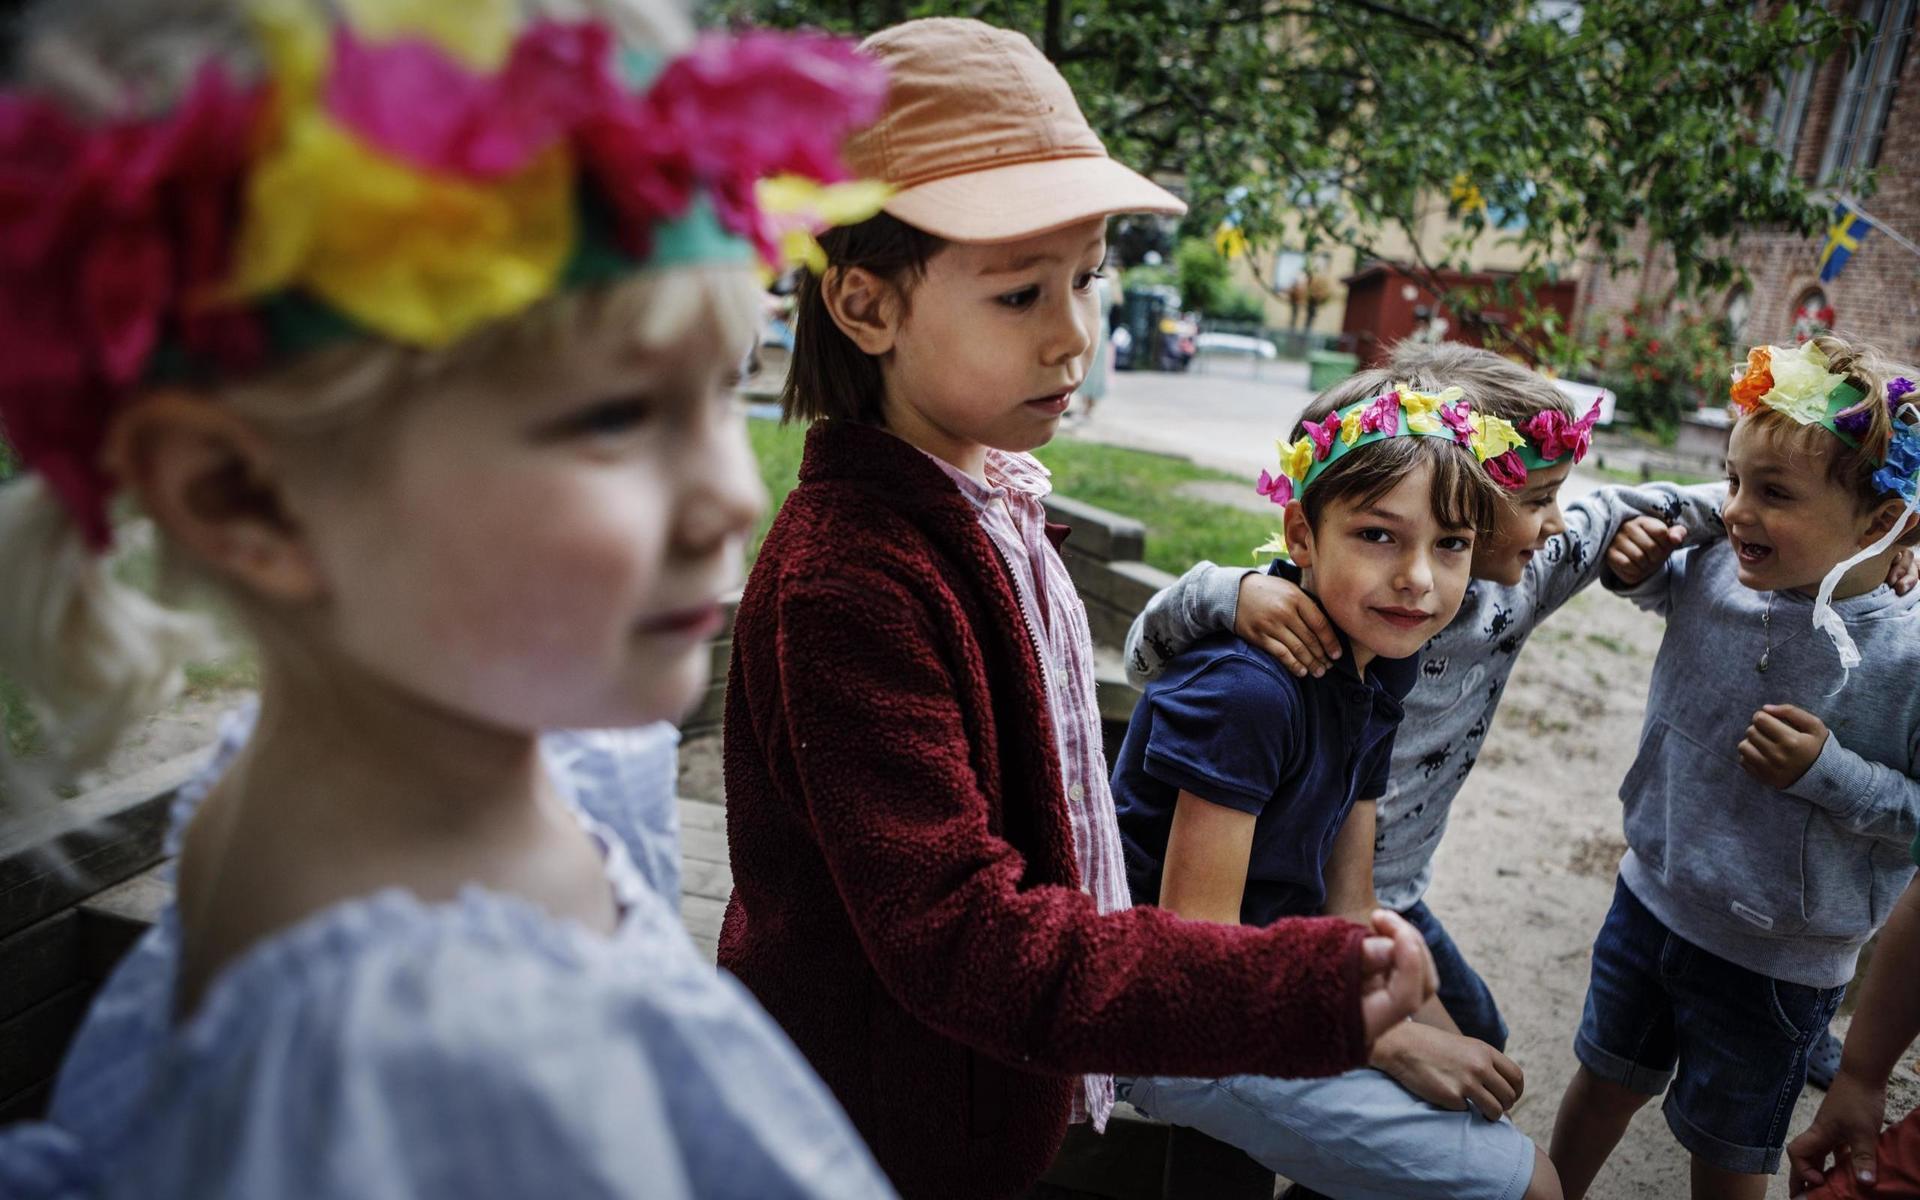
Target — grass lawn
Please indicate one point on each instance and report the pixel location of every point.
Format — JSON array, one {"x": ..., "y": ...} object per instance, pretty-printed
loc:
[{"x": 1180, "y": 530}]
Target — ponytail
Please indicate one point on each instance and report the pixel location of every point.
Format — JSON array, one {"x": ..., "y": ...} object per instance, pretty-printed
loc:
[{"x": 92, "y": 654}]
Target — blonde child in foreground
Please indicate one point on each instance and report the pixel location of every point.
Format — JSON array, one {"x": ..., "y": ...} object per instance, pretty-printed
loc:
[
  {"x": 1774, "y": 798},
  {"x": 928, "y": 892},
  {"x": 472, "y": 479}
]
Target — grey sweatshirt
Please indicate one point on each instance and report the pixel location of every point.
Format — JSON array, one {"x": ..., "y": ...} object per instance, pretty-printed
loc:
[
  {"x": 1789, "y": 884},
  {"x": 1463, "y": 669}
]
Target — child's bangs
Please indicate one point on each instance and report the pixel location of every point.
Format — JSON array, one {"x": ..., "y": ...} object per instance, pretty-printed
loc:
[
  {"x": 1459, "y": 492},
  {"x": 1814, "y": 448}
]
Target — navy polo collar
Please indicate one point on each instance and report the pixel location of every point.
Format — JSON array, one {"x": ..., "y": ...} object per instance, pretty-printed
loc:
[{"x": 1387, "y": 682}]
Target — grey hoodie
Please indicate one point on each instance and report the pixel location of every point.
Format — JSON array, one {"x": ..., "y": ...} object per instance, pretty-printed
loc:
[
  {"x": 1789, "y": 884},
  {"x": 1463, "y": 669}
]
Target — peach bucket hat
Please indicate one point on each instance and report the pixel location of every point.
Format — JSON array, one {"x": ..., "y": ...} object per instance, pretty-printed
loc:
[{"x": 983, "y": 141}]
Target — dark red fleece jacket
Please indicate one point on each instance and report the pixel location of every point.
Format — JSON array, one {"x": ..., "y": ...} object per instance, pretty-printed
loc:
[{"x": 906, "y": 901}]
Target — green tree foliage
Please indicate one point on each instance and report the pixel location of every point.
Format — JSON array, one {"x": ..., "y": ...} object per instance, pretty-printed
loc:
[{"x": 1558, "y": 125}]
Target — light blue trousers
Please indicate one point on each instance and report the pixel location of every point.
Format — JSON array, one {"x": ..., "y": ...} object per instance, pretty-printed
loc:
[{"x": 1358, "y": 1136}]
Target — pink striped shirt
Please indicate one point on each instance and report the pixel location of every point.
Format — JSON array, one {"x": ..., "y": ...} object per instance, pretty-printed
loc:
[{"x": 1015, "y": 521}]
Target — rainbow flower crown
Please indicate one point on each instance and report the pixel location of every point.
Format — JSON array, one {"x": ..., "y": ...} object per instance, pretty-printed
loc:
[
  {"x": 410, "y": 174},
  {"x": 1796, "y": 383}
]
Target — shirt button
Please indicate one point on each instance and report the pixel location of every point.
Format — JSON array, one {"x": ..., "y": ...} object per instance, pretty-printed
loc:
[{"x": 1076, "y": 792}]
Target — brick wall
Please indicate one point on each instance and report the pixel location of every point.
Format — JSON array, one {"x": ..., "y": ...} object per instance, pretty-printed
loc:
[{"x": 1877, "y": 297}]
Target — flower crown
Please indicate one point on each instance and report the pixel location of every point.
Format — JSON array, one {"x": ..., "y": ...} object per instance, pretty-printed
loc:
[
  {"x": 412, "y": 183},
  {"x": 1796, "y": 383},
  {"x": 1555, "y": 437},
  {"x": 1443, "y": 415}
]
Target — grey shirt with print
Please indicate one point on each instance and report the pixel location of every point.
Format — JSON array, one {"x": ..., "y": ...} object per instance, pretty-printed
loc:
[{"x": 1463, "y": 669}]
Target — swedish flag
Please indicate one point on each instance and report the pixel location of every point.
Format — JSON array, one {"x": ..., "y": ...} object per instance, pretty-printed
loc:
[{"x": 1844, "y": 236}]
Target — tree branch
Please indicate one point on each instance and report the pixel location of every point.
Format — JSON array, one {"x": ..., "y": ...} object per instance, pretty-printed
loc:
[{"x": 1415, "y": 21}]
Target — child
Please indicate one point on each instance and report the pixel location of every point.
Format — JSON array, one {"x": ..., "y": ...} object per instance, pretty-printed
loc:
[
  {"x": 1247, "y": 795},
  {"x": 1533, "y": 561},
  {"x": 1867, "y": 1160},
  {"x": 928, "y": 892},
  {"x": 435, "y": 394},
  {"x": 1769, "y": 810}
]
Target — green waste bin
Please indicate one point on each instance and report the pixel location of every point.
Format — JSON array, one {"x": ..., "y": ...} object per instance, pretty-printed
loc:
[{"x": 1328, "y": 367}]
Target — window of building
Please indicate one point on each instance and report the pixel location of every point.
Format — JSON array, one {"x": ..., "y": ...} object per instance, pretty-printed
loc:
[
  {"x": 1785, "y": 112},
  {"x": 1812, "y": 315},
  {"x": 1739, "y": 308},
  {"x": 1866, "y": 95}
]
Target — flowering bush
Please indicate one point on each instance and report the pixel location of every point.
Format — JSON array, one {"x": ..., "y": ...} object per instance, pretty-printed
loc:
[{"x": 1663, "y": 365}]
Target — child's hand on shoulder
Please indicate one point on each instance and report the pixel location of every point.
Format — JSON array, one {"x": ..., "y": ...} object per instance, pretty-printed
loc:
[
  {"x": 1641, "y": 547},
  {"x": 1902, "y": 573},
  {"x": 1279, "y": 618},
  {"x": 1781, "y": 744},
  {"x": 1397, "y": 974}
]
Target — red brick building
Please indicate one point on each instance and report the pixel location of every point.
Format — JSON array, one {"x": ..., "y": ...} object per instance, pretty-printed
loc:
[{"x": 1843, "y": 116}]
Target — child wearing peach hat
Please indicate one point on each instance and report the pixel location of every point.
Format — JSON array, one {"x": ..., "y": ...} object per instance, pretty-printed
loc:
[{"x": 929, "y": 892}]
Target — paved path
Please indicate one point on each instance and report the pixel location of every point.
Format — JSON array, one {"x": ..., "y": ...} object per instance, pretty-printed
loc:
[{"x": 1219, "y": 415}]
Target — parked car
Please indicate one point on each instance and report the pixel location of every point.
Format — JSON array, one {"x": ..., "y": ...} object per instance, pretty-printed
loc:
[
  {"x": 1178, "y": 335},
  {"x": 1236, "y": 343}
]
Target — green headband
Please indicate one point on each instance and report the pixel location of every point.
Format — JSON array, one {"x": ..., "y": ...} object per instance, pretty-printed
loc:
[{"x": 1401, "y": 412}]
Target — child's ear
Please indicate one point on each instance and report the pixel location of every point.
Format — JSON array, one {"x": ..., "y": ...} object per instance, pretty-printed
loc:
[
  {"x": 211, "y": 483},
  {"x": 864, "y": 306},
  {"x": 1299, "y": 535},
  {"x": 1884, "y": 515}
]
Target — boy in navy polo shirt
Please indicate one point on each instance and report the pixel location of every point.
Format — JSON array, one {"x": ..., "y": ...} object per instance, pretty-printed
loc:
[{"x": 1245, "y": 795}]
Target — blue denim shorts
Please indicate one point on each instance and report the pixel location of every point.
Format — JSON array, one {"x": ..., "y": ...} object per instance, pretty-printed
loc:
[{"x": 1656, "y": 999}]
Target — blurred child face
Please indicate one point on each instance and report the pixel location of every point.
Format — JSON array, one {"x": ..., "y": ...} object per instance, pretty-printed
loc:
[
  {"x": 994, "y": 341},
  {"x": 1390, "y": 575},
  {"x": 1522, "y": 527},
  {"x": 1788, "y": 524},
  {"x": 547, "y": 548}
]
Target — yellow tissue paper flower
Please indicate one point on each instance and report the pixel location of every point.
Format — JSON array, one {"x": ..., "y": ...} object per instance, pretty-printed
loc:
[
  {"x": 1276, "y": 543},
  {"x": 1800, "y": 385},
  {"x": 1423, "y": 408},
  {"x": 797, "y": 206},
  {"x": 419, "y": 258},
  {"x": 823, "y": 203},
  {"x": 1350, "y": 425},
  {"x": 416, "y": 257},
  {"x": 1296, "y": 460},
  {"x": 1493, "y": 435}
]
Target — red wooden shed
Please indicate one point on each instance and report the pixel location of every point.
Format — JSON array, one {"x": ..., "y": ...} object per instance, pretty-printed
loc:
[{"x": 1382, "y": 299}]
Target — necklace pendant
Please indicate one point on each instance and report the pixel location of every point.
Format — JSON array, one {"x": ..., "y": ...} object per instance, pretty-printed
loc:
[{"x": 1762, "y": 665}]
